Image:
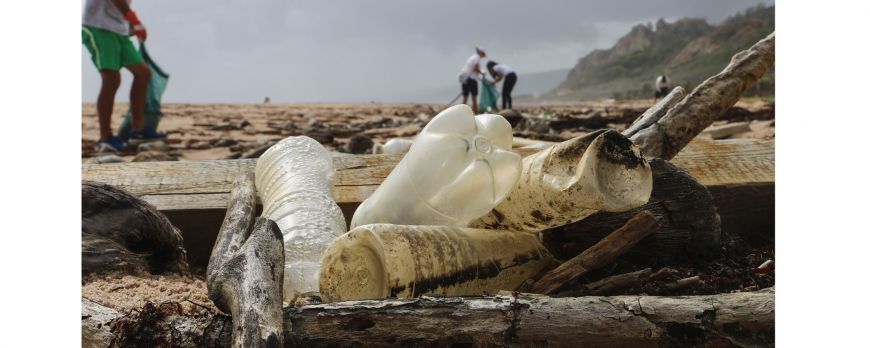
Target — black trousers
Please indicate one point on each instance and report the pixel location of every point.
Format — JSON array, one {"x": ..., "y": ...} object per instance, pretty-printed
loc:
[{"x": 507, "y": 102}]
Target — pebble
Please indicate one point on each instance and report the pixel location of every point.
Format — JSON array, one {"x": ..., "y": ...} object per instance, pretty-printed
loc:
[{"x": 359, "y": 144}]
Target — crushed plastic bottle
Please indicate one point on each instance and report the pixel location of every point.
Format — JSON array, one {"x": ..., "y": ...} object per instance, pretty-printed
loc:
[
  {"x": 294, "y": 179},
  {"x": 382, "y": 260},
  {"x": 459, "y": 167}
]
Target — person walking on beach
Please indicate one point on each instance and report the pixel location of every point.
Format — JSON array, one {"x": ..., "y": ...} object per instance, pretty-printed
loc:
[
  {"x": 106, "y": 25},
  {"x": 499, "y": 72},
  {"x": 469, "y": 75},
  {"x": 662, "y": 86}
]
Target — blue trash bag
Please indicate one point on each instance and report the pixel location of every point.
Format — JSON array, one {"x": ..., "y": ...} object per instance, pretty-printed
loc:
[{"x": 159, "y": 80}]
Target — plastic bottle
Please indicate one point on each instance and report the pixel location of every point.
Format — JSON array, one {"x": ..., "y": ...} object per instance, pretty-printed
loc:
[
  {"x": 382, "y": 260},
  {"x": 294, "y": 179},
  {"x": 571, "y": 180},
  {"x": 459, "y": 167},
  {"x": 393, "y": 146}
]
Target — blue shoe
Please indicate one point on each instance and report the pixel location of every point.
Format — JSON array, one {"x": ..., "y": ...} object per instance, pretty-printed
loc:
[
  {"x": 114, "y": 144},
  {"x": 144, "y": 136}
]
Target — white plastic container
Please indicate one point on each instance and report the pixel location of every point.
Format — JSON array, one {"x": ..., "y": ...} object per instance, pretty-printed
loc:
[
  {"x": 381, "y": 260},
  {"x": 459, "y": 167},
  {"x": 294, "y": 179},
  {"x": 393, "y": 146}
]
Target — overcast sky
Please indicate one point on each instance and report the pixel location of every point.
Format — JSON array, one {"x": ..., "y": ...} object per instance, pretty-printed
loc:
[{"x": 238, "y": 51}]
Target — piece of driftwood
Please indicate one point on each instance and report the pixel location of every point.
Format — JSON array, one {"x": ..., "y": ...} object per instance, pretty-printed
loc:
[
  {"x": 739, "y": 319},
  {"x": 684, "y": 283},
  {"x": 122, "y": 232},
  {"x": 722, "y": 320},
  {"x": 602, "y": 253},
  {"x": 666, "y": 137},
  {"x": 246, "y": 269},
  {"x": 656, "y": 112},
  {"x": 616, "y": 282},
  {"x": 205, "y": 185},
  {"x": 162, "y": 324},
  {"x": 690, "y": 225},
  {"x": 97, "y": 324}
]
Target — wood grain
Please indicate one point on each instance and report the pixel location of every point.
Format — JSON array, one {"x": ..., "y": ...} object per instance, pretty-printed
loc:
[{"x": 198, "y": 185}]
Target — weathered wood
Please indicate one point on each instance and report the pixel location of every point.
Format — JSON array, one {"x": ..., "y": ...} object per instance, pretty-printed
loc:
[
  {"x": 246, "y": 269},
  {"x": 666, "y": 137},
  {"x": 206, "y": 184},
  {"x": 656, "y": 112},
  {"x": 690, "y": 224},
  {"x": 616, "y": 282},
  {"x": 602, "y": 253},
  {"x": 96, "y": 324},
  {"x": 122, "y": 232},
  {"x": 194, "y": 185},
  {"x": 737, "y": 319},
  {"x": 154, "y": 325},
  {"x": 684, "y": 283},
  {"x": 723, "y": 320}
]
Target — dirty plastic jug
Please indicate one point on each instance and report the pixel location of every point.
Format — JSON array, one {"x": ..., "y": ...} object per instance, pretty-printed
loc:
[
  {"x": 382, "y": 260},
  {"x": 459, "y": 167},
  {"x": 294, "y": 179}
]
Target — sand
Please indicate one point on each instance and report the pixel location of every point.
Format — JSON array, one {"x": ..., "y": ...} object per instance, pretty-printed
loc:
[
  {"x": 127, "y": 292},
  {"x": 194, "y": 129}
]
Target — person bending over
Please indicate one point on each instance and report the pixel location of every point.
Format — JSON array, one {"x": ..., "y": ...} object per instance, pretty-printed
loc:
[
  {"x": 106, "y": 25},
  {"x": 501, "y": 71}
]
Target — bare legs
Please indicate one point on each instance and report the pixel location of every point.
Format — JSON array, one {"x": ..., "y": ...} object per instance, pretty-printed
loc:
[
  {"x": 141, "y": 77},
  {"x": 106, "y": 101},
  {"x": 111, "y": 80}
]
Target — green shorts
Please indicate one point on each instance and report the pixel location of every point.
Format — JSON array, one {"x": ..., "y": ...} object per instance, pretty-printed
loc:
[{"x": 109, "y": 50}]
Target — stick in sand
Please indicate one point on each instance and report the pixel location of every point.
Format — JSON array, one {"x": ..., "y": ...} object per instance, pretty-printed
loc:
[{"x": 600, "y": 254}]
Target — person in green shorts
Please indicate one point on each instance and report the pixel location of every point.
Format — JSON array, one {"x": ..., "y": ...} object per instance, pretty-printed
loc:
[{"x": 106, "y": 27}]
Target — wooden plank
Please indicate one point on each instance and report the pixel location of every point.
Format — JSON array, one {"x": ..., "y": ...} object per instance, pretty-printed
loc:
[{"x": 194, "y": 185}]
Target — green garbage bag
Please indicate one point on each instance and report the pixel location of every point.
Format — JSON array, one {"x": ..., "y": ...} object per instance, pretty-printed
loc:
[
  {"x": 156, "y": 86},
  {"x": 488, "y": 96}
]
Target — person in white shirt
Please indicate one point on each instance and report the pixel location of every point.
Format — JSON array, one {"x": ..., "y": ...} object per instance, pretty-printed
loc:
[
  {"x": 662, "y": 86},
  {"x": 469, "y": 75},
  {"x": 499, "y": 72}
]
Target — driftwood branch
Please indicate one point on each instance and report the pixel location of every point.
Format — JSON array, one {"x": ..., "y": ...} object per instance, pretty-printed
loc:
[
  {"x": 656, "y": 112},
  {"x": 737, "y": 319},
  {"x": 246, "y": 269},
  {"x": 666, "y": 137},
  {"x": 600, "y": 254},
  {"x": 741, "y": 319},
  {"x": 122, "y": 232},
  {"x": 616, "y": 282}
]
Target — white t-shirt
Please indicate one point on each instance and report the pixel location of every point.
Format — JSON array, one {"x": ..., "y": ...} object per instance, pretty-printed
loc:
[
  {"x": 502, "y": 69},
  {"x": 103, "y": 14},
  {"x": 468, "y": 69},
  {"x": 661, "y": 83}
]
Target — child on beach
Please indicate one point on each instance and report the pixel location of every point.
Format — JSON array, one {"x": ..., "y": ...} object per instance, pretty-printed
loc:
[{"x": 106, "y": 25}]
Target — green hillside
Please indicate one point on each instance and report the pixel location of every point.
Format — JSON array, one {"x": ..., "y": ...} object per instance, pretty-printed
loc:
[{"x": 688, "y": 51}]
